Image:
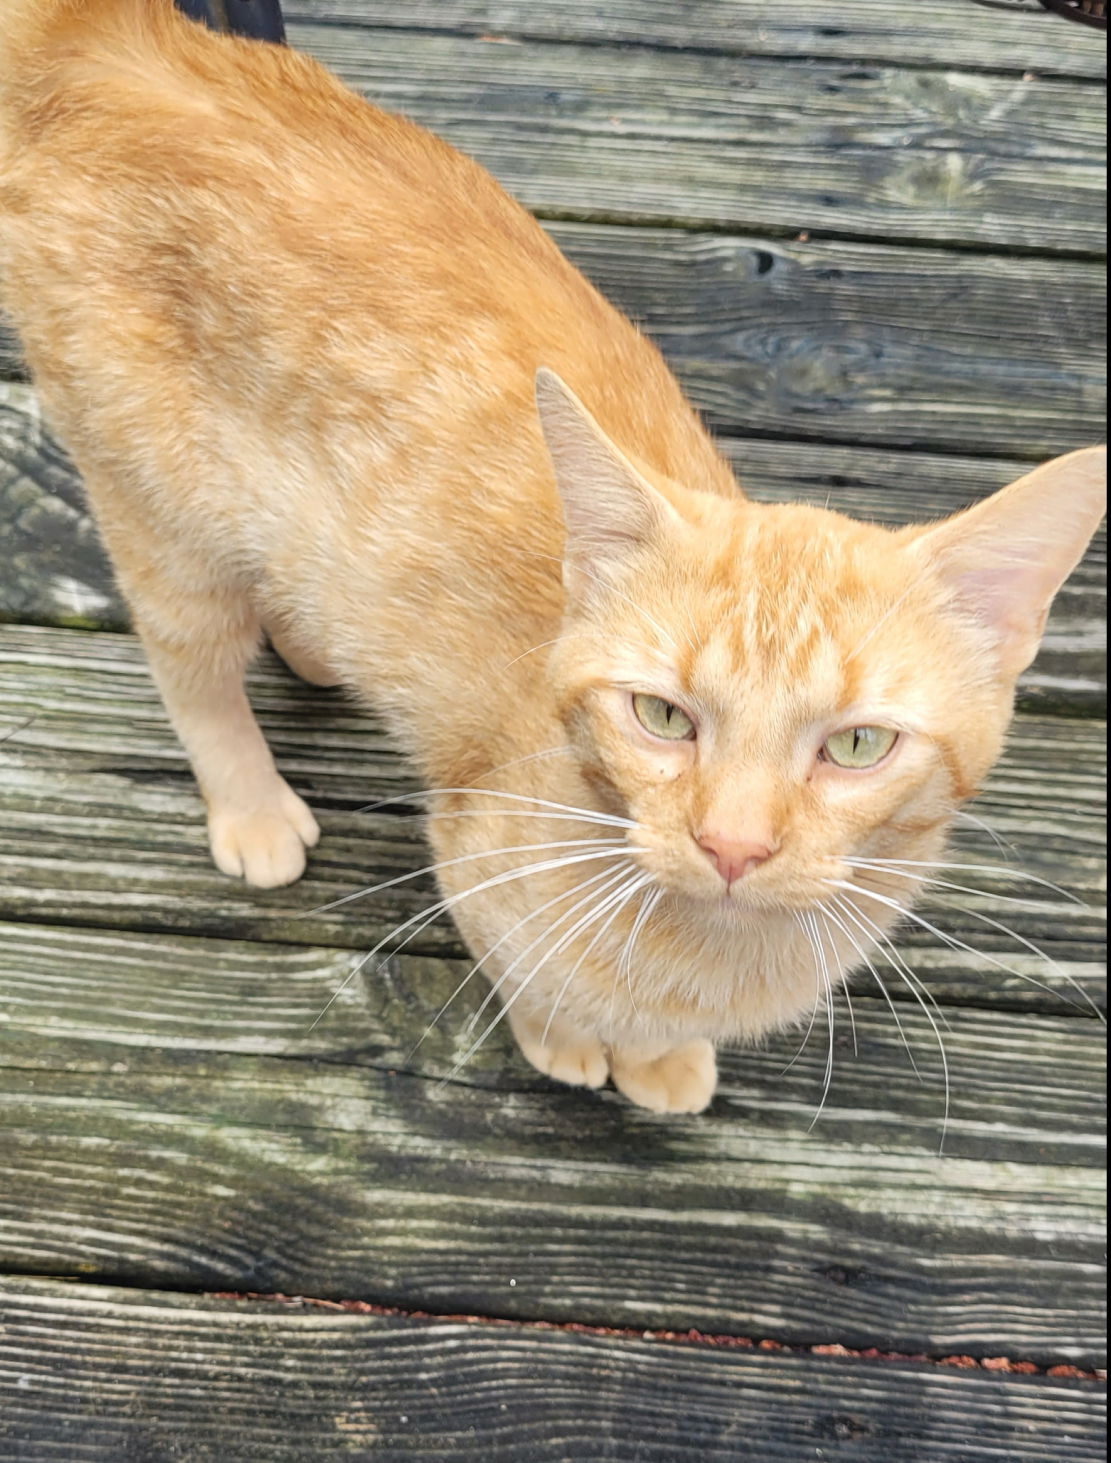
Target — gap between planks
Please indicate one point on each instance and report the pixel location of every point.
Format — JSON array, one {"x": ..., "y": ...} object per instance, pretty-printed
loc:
[{"x": 136, "y": 1366}]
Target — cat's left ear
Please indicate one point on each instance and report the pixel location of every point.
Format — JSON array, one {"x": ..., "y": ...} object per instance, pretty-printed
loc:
[
  {"x": 1007, "y": 557},
  {"x": 609, "y": 507}
]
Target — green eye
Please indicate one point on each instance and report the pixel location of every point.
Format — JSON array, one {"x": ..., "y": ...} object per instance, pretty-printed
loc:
[
  {"x": 662, "y": 719},
  {"x": 860, "y": 746}
]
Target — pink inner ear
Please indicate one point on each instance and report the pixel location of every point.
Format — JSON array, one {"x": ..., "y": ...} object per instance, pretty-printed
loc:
[
  {"x": 1004, "y": 597},
  {"x": 1007, "y": 557}
]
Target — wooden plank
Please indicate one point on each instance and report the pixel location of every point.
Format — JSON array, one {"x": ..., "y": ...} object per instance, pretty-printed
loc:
[
  {"x": 866, "y": 345},
  {"x": 102, "y": 824},
  {"x": 55, "y": 569},
  {"x": 750, "y": 143},
  {"x": 500, "y": 1194},
  {"x": 111, "y": 1373},
  {"x": 957, "y": 32},
  {"x": 11, "y": 358},
  {"x": 79, "y": 1000}
]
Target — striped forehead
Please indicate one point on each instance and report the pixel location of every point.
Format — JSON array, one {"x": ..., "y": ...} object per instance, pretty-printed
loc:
[
  {"x": 793, "y": 661},
  {"x": 782, "y": 627}
]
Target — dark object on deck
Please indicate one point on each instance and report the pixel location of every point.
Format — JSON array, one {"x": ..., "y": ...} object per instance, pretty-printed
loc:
[
  {"x": 1088, "y": 12},
  {"x": 1091, "y": 12},
  {"x": 259, "y": 19}
]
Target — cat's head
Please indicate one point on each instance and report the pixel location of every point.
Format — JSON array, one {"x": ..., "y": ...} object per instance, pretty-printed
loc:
[{"x": 770, "y": 690}]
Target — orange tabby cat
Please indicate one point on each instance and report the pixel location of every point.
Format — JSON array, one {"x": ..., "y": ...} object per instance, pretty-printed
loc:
[{"x": 312, "y": 365}]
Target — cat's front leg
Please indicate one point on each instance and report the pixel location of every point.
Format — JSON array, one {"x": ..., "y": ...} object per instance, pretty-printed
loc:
[
  {"x": 666, "y": 1079},
  {"x": 199, "y": 636},
  {"x": 258, "y": 828}
]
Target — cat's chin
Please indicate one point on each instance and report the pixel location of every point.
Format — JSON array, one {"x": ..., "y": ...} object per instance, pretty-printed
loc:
[{"x": 736, "y": 908}]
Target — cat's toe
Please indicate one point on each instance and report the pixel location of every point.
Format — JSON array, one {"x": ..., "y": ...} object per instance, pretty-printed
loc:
[
  {"x": 578, "y": 1063},
  {"x": 266, "y": 847},
  {"x": 584, "y": 1065},
  {"x": 681, "y": 1080}
]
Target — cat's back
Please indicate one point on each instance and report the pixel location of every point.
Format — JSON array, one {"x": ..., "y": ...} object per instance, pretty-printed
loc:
[
  {"x": 175, "y": 200},
  {"x": 123, "y": 117}
]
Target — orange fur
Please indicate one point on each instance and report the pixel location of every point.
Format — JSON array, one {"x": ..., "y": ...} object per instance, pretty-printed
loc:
[{"x": 292, "y": 343}]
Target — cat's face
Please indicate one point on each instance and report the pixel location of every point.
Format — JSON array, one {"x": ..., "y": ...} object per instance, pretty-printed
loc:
[
  {"x": 782, "y": 683},
  {"x": 768, "y": 692}
]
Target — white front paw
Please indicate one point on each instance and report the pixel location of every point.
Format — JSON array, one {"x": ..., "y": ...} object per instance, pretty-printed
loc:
[
  {"x": 265, "y": 845},
  {"x": 681, "y": 1080},
  {"x": 580, "y": 1063}
]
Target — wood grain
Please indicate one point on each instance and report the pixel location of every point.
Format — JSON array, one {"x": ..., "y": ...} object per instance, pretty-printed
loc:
[
  {"x": 11, "y": 357},
  {"x": 122, "y": 1374},
  {"x": 77, "y": 998},
  {"x": 951, "y": 33},
  {"x": 866, "y": 345},
  {"x": 502, "y": 1194},
  {"x": 747, "y": 143}
]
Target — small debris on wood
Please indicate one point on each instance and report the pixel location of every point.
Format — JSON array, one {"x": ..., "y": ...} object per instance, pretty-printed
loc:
[{"x": 681, "y": 1338}]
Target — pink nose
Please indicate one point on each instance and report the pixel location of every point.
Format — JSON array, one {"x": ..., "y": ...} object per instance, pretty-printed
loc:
[{"x": 734, "y": 857}]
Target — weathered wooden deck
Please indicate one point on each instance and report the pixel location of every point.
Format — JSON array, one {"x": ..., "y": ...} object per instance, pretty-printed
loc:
[{"x": 867, "y": 235}]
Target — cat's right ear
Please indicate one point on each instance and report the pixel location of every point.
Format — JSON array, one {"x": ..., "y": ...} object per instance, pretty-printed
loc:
[
  {"x": 609, "y": 507},
  {"x": 1007, "y": 557}
]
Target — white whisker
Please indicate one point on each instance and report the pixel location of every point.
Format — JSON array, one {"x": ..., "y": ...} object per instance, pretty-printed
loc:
[
  {"x": 522, "y": 955},
  {"x": 629, "y": 890},
  {"x": 860, "y": 950},
  {"x": 957, "y": 944},
  {"x": 906, "y": 863},
  {"x": 428, "y": 915},
  {"x": 616, "y": 844},
  {"x": 883, "y": 619},
  {"x": 906, "y": 975},
  {"x": 565, "y": 750},
  {"x": 561, "y": 944},
  {"x": 1014, "y": 934},
  {"x": 493, "y": 792},
  {"x": 817, "y": 993},
  {"x": 544, "y": 644},
  {"x": 609, "y": 875},
  {"x": 824, "y": 912},
  {"x": 820, "y": 948},
  {"x": 1042, "y": 955},
  {"x": 625, "y": 963},
  {"x": 894, "y": 958},
  {"x": 1001, "y": 843},
  {"x": 929, "y": 881}
]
